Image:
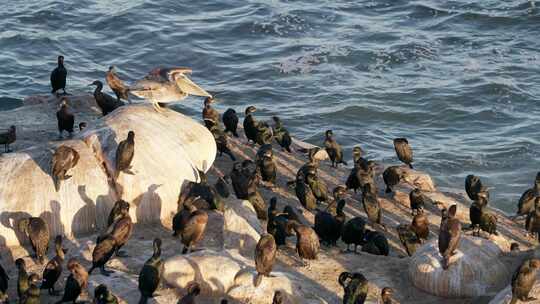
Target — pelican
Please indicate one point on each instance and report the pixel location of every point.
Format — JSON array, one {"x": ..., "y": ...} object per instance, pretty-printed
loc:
[{"x": 164, "y": 85}]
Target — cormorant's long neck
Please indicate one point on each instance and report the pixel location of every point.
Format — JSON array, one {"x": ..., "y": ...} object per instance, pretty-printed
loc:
[{"x": 98, "y": 89}]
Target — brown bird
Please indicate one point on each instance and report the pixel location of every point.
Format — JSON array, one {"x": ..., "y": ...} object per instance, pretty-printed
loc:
[
  {"x": 334, "y": 150},
  {"x": 193, "y": 232},
  {"x": 420, "y": 226},
  {"x": 150, "y": 275},
  {"x": 193, "y": 290},
  {"x": 265, "y": 255},
  {"x": 64, "y": 159},
  {"x": 209, "y": 114},
  {"x": 449, "y": 236},
  {"x": 307, "y": 242},
  {"x": 122, "y": 229},
  {"x": 7, "y": 138},
  {"x": 523, "y": 281},
  {"x": 22, "y": 279},
  {"x": 31, "y": 296},
  {"x": 404, "y": 151},
  {"x": 408, "y": 238},
  {"x": 75, "y": 283},
  {"x": 102, "y": 253},
  {"x": 124, "y": 154},
  {"x": 116, "y": 212},
  {"x": 38, "y": 232},
  {"x": 371, "y": 205},
  {"x": 532, "y": 223},
  {"x": 66, "y": 119},
  {"x": 417, "y": 200},
  {"x": 117, "y": 85},
  {"x": 392, "y": 176},
  {"x": 386, "y": 295},
  {"x": 526, "y": 201},
  {"x": 105, "y": 102},
  {"x": 54, "y": 267},
  {"x": 181, "y": 218}
]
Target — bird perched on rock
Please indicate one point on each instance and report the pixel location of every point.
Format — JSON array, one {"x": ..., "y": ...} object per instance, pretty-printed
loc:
[
  {"x": 307, "y": 242},
  {"x": 449, "y": 236},
  {"x": 58, "y": 77},
  {"x": 376, "y": 243},
  {"x": 38, "y": 232},
  {"x": 210, "y": 115},
  {"x": 318, "y": 186},
  {"x": 165, "y": 85},
  {"x": 194, "y": 229},
  {"x": 257, "y": 201},
  {"x": 117, "y": 85},
  {"x": 328, "y": 227},
  {"x": 105, "y": 102},
  {"x": 392, "y": 176},
  {"x": 121, "y": 229},
  {"x": 353, "y": 232},
  {"x": 22, "y": 279},
  {"x": 523, "y": 281},
  {"x": 279, "y": 297},
  {"x": 64, "y": 159},
  {"x": 282, "y": 136},
  {"x": 31, "y": 296},
  {"x": 264, "y": 134},
  {"x": 333, "y": 149},
  {"x": 417, "y": 200},
  {"x": 102, "y": 295},
  {"x": 408, "y": 238},
  {"x": 526, "y": 201},
  {"x": 203, "y": 190},
  {"x": 266, "y": 165},
  {"x": 116, "y": 211},
  {"x": 53, "y": 269},
  {"x": 4, "y": 284},
  {"x": 241, "y": 181},
  {"x": 66, "y": 120},
  {"x": 371, "y": 205},
  {"x": 481, "y": 218},
  {"x": 150, "y": 275},
  {"x": 272, "y": 213},
  {"x": 124, "y": 155},
  {"x": 305, "y": 194},
  {"x": 361, "y": 174},
  {"x": 230, "y": 120},
  {"x": 75, "y": 283},
  {"x": 181, "y": 218},
  {"x": 355, "y": 287},
  {"x": 473, "y": 185},
  {"x": 193, "y": 290},
  {"x": 532, "y": 223},
  {"x": 102, "y": 253},
  {"x": 8, "y": 137},
  {"x": 222, "y": 188},
  {"x": 222, "y": 142},
  {"x": 386, "y": 295},
  {"x": 404, "y": 151},
  {"x": 265, "y": 255},
  {"x": 250, "y": 124},
  {"x": 420, "y": 225}
]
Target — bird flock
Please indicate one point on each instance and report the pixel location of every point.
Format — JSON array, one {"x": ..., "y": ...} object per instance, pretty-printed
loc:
[{"x": 190, "y": 222}]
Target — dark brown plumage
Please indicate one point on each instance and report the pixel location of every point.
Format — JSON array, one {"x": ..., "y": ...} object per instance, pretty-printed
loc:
[
  {"x": 386, "y": 295},
  {"x": 151, "y": 272},
  {"x": 102, "y": 253},
  {"x": 526, "y": 201},
  {"x": 282, "y": 136},
  {"x": 222, "y": 188},
  {"x": 250, "y": 124},
  {"x": 473, "y": 186},
  {"x": 371, "y": 205},
  {"x": 257, "y": 201},
  {"x": 532, "y": 223},
  {"x": 8, "y": 137},
  {"x": 193, "y": 290},
  {"x": 58, "y": 76},
  {"x": 266, "y": 165},
  {"x": 66, "y": 119},
  {"x": 408, "y": 238},
  {"x": 334, "y": 150},
  {"x": 75, "y": 283},
  {"x": 305, "y": 194},
  {"x": 54, "y": 267},
  {"x": 449, "y": 236},
  {"x": 375, "y": 243},
  {"x": 279, "y": 297},
  {"x": 404, "y": 151},
  {"x": 63, "y": 159},
  {"x": 353, "y": 232},
  {"x": 102, "y": 295},
  {"x": 230, "y": 120},
  {"x": 523, "y": 281},
  {"x": 392, "y": 177},
  {"x": 117, "y": 85},
  {"x": 181, "y": 218},
  {"x": 31, "y": 296},
  {"x": 307, "y": 242},
  {"x": 122, "y": 228},
  {"x": 105, "y": 102},
  {"x": 420, "y": 226},
  {"x": 194, "y": 229},
  {"x": 361, "y": 174},
  {"x": 265, "y": 255},
  {"x": 201, "y": 190},
  {"x": 417, "y": 200},
  {"x": 37, "y": 231},
  {"x": 210, "y": 115},
  {"x": 124, "y": 154},
  {"x": 355, "y": 287},
  {"x": 22, "y": 279},
  {"x": 116, "y": 211},
  {"x": 221, "y": 139},
  {"x": 4, "y": 284}
]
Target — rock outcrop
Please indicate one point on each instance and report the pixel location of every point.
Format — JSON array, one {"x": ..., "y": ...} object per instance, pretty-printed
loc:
[{"x": 169, "y": 148}]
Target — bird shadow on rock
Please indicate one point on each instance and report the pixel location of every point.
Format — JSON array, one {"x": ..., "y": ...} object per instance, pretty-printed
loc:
[
  {"x": 84, "y": 220},
  {"x": 148, "y": 206},
  {"x": 11, "y": 219}
]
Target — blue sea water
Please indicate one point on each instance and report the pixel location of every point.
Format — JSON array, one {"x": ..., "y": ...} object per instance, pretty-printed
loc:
[{"x": 460, "y": 79}]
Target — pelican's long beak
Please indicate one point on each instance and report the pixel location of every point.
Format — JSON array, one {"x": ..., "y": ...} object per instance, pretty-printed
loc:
[{"x": 187, "y": 86}]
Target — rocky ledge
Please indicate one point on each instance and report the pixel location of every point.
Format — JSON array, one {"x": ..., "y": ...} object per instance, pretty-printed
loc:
[{"x": 169, "y": 149}]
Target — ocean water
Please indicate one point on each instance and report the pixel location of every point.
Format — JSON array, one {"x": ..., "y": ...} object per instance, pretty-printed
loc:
[{"x": 459, "y": 79}]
